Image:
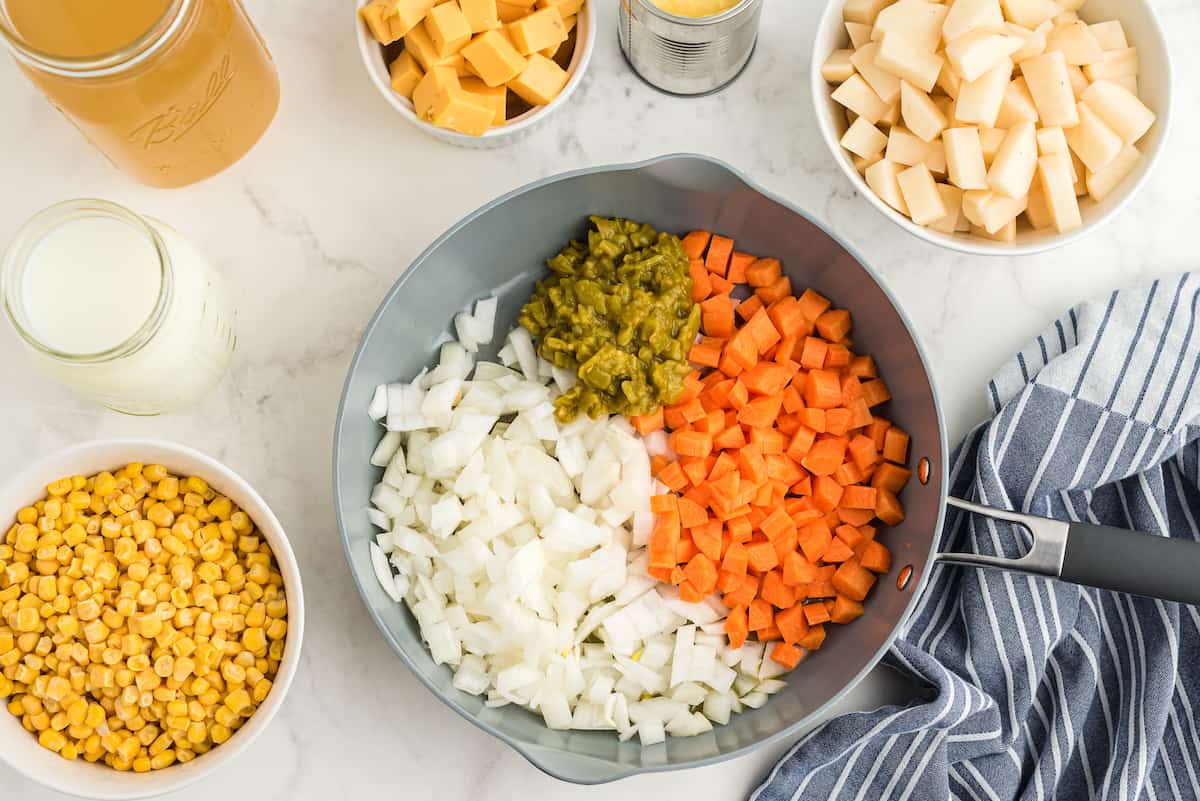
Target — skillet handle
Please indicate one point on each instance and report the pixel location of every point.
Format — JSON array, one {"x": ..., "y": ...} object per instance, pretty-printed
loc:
[{"x": 1133, "y": 562}]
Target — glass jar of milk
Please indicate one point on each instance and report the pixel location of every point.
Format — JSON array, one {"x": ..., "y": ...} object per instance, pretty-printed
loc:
[{"x": 118, "y": 307}]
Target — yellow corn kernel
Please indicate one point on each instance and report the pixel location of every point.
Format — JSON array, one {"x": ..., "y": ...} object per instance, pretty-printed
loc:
[
  {"x": 238, "y": 701},
  {"x": 74, "y": 534},
  {"x": 277, "y": 630},
  {"x": 28, "y": 619},
  {"x": 26, "y": 539},
  {"x": 58, "y": 721},
  {"x": 60, "y": 487},
  {"x": 219, "y": 733},
  {"x": 52, "y": 739},
  {"x": 143, "y": 764},
  {"x": 96, "y": 631}
]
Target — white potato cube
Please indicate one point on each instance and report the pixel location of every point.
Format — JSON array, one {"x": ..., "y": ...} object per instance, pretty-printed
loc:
[
  {"x": 921, "y": 195},
  {"x": 1110, "y": 34},
  {"x": 948, "y": 80},
  {"x": 1101, "y": 184},
  {"x": 1080, "y": 173},
  {"x": 1114, "y": 64},
  {"x": 972, "y": 15},
  {"x": 1015, "y": 162},
  {"x": 1065, "y": 17},
  {"x": 1033, "y": 42},
  {"x": 862, "y": 162},
  {"x": 1048, "y": 83},
  {"x": 1076, "y": 42},
  {"x": 1079, "y": 81},
  {"x": 863, "y": 11},
  {"x": 935, "y": 159},
  {"x": 864, "y": 139},
  {"x": 990, "y": 140},
  {"x": 964, "y": 158},
  {"x": 919, "y": 21},
  {"x": 1036, "y": 211},
  {"x": 953, "y": 220},
  {"x": 920, "y": 114},
  {"x": 1007, "y": 233},
  {"x": 1030, "y": 13},
  {"x": 891, "y": 115},
  {"x": 1051, "y": 141},
  {"x": 979, "y": 100},
  {"x": 1054, "y": 173},
  {"x": 881, "y": 177},
  {"x": 992, "y": 211},
  {"x": 1120, "y": 109},
  {"x": 838, "y": 68},
  {"x": 899, "y": 56},
  {"x": 904, "y": 148},
  {"x": 884, "y": 83},
  {"x": 1017, "y": 105},
  {"x": 1130, "y": 82},
  {"x": 859, "y": 34},
  {"x": 1071, "y": 5},
  {"x": 855, "y": 95},
  {"x": 1092, "y": 140},
  {"x": 974, "y": 53},
  {"x": 945, "y": 105}
]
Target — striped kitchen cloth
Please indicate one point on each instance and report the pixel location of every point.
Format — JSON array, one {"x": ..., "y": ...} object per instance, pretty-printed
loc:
[{"x": 1040, "y": 688}]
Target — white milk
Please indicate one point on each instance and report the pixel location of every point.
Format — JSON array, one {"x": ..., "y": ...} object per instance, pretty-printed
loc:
[{"x": 105, "y": 314}]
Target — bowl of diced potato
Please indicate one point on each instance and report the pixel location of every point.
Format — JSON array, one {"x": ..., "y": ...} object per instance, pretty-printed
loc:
[
  {"x": 476, "y": 73},
  {"x": 996, "y": 127}
]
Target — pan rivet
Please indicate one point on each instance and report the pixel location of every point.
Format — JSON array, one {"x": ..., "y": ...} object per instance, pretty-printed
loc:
[
  {"x": 905, "y": 576},
  {"x": 923, "y": 470}
]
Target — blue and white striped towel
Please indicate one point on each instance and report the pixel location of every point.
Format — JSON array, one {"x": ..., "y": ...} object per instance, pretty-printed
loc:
[{"x": 1040, "y": 688}]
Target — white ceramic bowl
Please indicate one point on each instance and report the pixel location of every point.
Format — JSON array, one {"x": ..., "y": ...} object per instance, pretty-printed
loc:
[
  {"x": 585, "y": 43},
  {"x": 1154, "y": 88},
  {"x": 19, "y": 748}
]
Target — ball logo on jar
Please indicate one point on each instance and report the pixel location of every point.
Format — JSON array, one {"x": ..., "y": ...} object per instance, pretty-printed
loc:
[{"x": 174, "y": 123}]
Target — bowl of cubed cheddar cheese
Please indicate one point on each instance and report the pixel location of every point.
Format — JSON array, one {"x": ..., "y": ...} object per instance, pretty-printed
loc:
[
  {"x": 476, "y": 73},
  {"x": 996, "y": 127}
]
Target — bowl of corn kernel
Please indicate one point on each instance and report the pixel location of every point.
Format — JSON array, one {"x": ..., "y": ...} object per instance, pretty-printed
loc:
[{"x": 151, "y": 616}]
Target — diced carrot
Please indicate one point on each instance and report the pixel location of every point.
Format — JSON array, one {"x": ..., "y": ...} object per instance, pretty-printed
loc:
[
  {"x": 777, "y": 524},
  {"x": 736, "y": 558},
  {"x": 786, "y": 655},
  {"x": 812, "y": 305},
  {"x": 801, "y": 443},
  {"x": 847, "y": 474},
  {"x": 788, "y": 424},
  {"x": 862, "y": 451},
  {"x": 813, "y": 640},
  {"x": 838, "y": 551},
  {"x": 848, "y": 534},
  {"x": 797, "y": 569},
  {"x": 657, "y": 463},
  {"x": 762, "y": 272},
  {"x": 673, "y": 417},
  {"x": 689, "y": 593},
  {"x": 712, "y": 423},
  {"x": 748, "y": 307},
  {"x": 862, "y": 367},
  {"x": 783, "y": 469},
  {"x": 694, "y": 468},
  {"x": 647, "y": 423},
  {"x": 691, "y": 514},
  {"x": 858, "y": 497},
  {"x": 736, "y": 626},
  {"x": 742, "y": 349},
  {"x": 663, "y": 574},
  {"x": 823, "y": 588},
  {"x": 851, "y": 389},
  {"x": 720, "y": 286},
  {"x": 788, "y": 350},
  {"x": 762, "y": 556},
  {"x": 838, "y": 356},
  {"x": 876, "y": 557},
  {"x": 701, "y": 282},
  {"x": 834, "y": 324},
  {"x": 812, "y": 418},
  {"x": 875, "y": 392},
  {"x": 813, "y": 353},
  {"x": 788, "y": 318},
  {"x": 827, "y": 493},
  {"x": 695, "y": 242},
  {"x": 761, "y": 411},
  {"x": 775, "y": 592},
  {"x": 768, "y": 440},
  {"x": 895, "y": 446},
  {"x": 740, "y": 528},
  {"x": 853, "y": 580},
  {"x": 667, "y": 503},
  {"x": 691, "y": 443},
  {"x": 845, "y": 610},
  {"x": 760, "y": 615},
  {"x": 792, "y": 401},
  {"x": 731, "y": 437},
  {"x": 786, "y": 543},
  {"x": 890, "y": 477},
  {"x": 837, "y": 421},
  {"x": 752, "y": 465},
  {"x": 672, "y": 475},
  {"x": 705, "y": 355},
  {"x": 791, "y": 623},
  {"x": 717, "y": 259},
  {"x": 888, "y": 508},
  {"x": 716, "y": 316},
  {"x": 877, "y": 431},
  {"x": 814, "y": 540},
  {"x": 702, "y": 573},
  {"x": 816, "y": 614},
  {"x": 825, "y": 456},
  {"x": 744, "y": 593},
  {"x": 768, "y": 634},
  {"x": 762, "y": 331},
  {"x": 738, "y": 262},
  {"x": 781, "y": 287},
  {"x": 767, "y": 378},
  {"x": 738, "y": 396},
  {"x": 685, "y": 549},
  {"x": 823, "y": 389}
]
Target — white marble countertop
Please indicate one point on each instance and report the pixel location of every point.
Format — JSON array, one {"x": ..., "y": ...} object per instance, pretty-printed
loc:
[{"x": 311, "y": 231}]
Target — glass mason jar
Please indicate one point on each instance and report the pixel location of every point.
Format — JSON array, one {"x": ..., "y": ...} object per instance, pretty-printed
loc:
[
  {"x": 172, "y": 91},
  {"x": 120, "y": 308}
]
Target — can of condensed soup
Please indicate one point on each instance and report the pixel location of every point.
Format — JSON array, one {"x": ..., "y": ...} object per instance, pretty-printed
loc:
[{"x": 675, "y": 49}]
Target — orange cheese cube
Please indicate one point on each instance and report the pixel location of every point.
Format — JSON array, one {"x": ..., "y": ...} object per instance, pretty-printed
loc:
[
  {"x": 466, "y": 113},
  {"x": 406, "y": 74},
  {"x": 493, "y": 58},
  {"x": 497, "y": 96},
  {"x": 407, "y": 14},
  {"x": 481, "y": 14},
  {"x": 567, "y": 8},
  {"x": 375, "y": 16},
  {"x": 538, "y": 31},
  {"x": 433, "y": 93},
  {"x": 448, "y": 27},
  {"x": 540, "y": 81},
  {"x": 420, "y": 44},
  {"x": 510, "y": 11}
]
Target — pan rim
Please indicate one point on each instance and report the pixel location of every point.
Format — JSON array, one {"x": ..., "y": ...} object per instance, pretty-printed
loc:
[{"x": 529, "y": 750}]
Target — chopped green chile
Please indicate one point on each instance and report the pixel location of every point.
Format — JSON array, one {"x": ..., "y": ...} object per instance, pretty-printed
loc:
[{"x": 619, "y": 312}]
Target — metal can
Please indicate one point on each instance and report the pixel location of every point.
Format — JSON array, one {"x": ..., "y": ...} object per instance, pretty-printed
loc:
[{"x": 687, "y": 55}]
